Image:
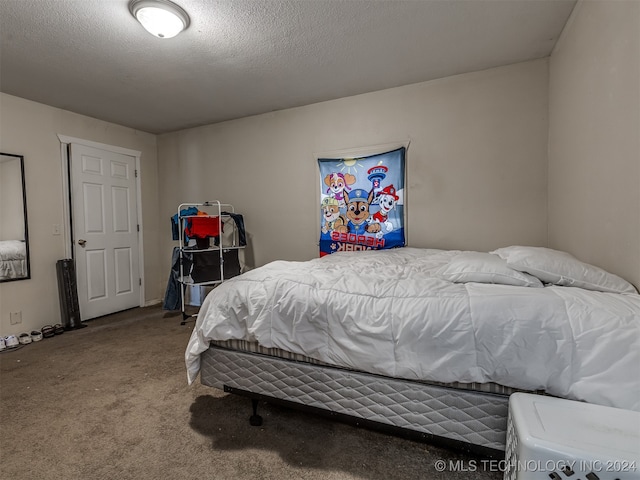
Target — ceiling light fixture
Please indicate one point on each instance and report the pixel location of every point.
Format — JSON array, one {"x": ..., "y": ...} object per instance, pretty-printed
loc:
[{"x": 161, "y": 18}]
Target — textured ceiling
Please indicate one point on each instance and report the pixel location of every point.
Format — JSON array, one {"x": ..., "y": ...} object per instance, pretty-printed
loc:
[{"x": 245, "y": 57}]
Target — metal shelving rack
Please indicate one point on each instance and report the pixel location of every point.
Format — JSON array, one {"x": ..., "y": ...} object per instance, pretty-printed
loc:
[{"x": 213, "y": 209}]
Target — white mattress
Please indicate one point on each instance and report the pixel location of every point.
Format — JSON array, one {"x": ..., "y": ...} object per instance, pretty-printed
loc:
[{"x": 384, "y": 312}]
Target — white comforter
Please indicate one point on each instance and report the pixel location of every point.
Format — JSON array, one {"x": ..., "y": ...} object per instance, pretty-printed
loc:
[{"x": 384, "y": 312}]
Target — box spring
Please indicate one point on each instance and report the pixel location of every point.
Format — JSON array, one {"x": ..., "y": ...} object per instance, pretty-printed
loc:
[{"x": 472, "y": 420}]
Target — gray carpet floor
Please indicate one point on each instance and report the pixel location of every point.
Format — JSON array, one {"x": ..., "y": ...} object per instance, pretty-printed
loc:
[{"x": 111, "y": 401}]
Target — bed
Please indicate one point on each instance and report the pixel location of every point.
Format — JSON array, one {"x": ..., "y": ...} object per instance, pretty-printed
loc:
[
  {"x": 423, "y": 342},
  {"x": 13, "y": 259}
]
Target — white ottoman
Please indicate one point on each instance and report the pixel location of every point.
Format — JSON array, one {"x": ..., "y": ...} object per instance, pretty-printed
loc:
[{"x": 551, "y": 438}]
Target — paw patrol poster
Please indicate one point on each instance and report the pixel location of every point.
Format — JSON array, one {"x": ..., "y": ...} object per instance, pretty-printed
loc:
[{"x": 362, "y": 202}]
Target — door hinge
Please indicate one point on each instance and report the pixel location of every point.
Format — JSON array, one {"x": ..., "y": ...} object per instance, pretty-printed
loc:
[
  {"x": 138, "y": 227},
  {"x": 135, "y": 171},
  {"x": 140, "y": 281}
]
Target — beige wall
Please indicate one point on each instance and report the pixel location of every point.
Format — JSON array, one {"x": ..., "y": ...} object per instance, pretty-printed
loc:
[
  {"x": 476, "y": 162},
  {"x": 594, "y": 137},
  {"x": 31, "y": 129}
]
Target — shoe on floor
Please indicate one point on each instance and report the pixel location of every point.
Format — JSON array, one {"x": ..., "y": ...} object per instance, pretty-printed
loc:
[
  {"x": 48, "y": 331},
  {"x": 36, "y": 336},
  {"x": 24, "y": 339}
]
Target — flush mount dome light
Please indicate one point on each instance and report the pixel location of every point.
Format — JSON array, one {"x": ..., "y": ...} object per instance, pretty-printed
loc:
[{"x": 161, "y": 18}]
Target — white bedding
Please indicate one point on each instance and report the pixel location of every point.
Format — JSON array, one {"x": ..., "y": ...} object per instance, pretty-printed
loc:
[
  {"x": 384, "y": 312},
  {"x": 12, "y": 259},
  {"x": 12, "y": 250}
]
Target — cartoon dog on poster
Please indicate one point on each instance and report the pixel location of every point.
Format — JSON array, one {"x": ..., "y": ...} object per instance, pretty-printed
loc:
[
  {"x": 358, "y": 202},
  {"x": 337, "y": 184},
  {"x": 331, "y": 214},
  {"x": 387, "y": 199}
]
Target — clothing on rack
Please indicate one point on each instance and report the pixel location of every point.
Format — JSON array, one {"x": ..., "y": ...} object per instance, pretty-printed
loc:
[
  {"x": 239, "y": 220},
  {"x": 203, "y": 227},
  {"x": 172, "y": 294},
  {"x": 175, "y": 222},
  {"x": 206, "y": 265}
]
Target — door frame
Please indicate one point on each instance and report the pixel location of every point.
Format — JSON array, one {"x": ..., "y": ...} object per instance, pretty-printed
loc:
[{"x": 66, "y": 195}]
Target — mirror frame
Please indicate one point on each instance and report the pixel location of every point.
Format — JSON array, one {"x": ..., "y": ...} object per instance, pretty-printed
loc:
[{"x": 26, "y": 224}]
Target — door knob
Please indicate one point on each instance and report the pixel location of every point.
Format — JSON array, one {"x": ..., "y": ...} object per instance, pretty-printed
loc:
[{"x": 82, "y": 242}]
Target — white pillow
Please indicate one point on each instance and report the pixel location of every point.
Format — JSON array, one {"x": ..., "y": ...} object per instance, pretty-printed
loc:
[
  {"x": 484, "y": 268},
  {"x": 562, "y": 268}
]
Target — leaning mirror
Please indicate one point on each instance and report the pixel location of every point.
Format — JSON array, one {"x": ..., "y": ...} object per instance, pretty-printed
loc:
[{"x": 14, "y": 239}]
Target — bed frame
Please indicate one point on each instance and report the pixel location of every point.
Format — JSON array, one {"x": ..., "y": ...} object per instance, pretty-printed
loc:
[{"x": 475, "y": 422}]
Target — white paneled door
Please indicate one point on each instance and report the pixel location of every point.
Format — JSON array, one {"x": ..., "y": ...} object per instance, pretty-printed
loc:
[{"x": 105, "y": 230}]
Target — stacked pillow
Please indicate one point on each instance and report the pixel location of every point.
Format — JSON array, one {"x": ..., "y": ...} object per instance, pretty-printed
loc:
[
  {"x": 561, "y": 268},
  {"x": 484, "y": 268},
  {"x": 531, "y": 267}
]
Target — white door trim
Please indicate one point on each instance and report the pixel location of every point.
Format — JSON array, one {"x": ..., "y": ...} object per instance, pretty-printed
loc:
[{"x": 66, "y": 193}]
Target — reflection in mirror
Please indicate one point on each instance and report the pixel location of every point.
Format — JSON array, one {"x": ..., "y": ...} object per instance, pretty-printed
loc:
[{"x": 14, "y": 239}]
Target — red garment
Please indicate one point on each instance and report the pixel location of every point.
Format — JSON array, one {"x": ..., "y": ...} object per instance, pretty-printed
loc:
[{"x": 203, "y": 227}]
